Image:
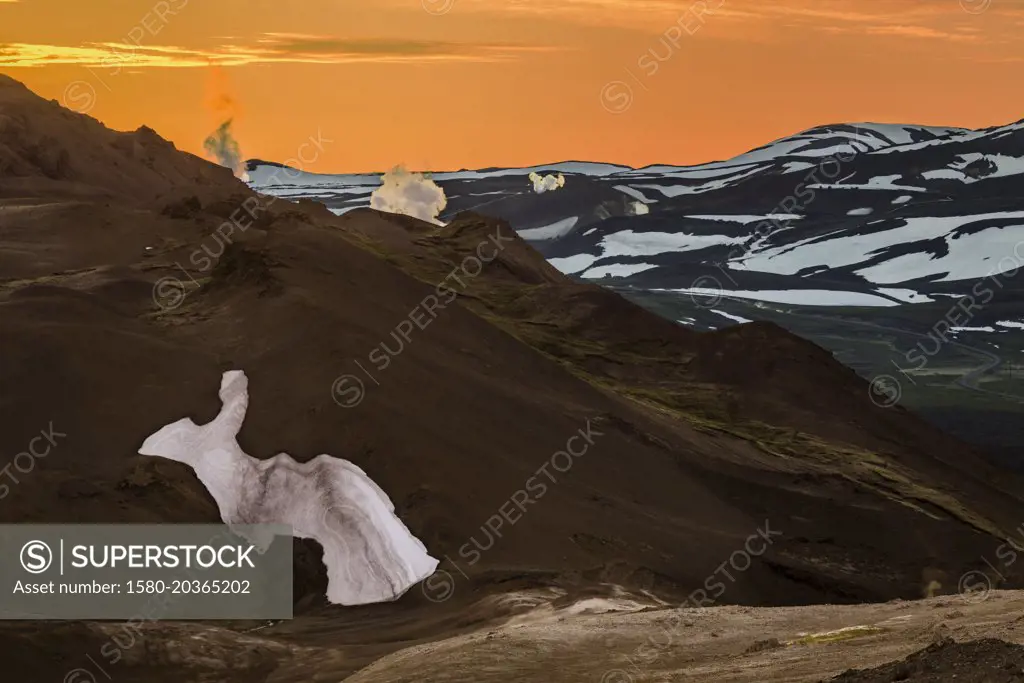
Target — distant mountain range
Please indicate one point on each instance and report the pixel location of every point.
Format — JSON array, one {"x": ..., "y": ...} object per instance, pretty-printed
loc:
[{"x": 883, "y": 213}]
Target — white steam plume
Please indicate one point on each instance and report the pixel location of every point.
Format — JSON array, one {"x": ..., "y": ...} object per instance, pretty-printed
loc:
[
  {"x": 409, "y": 193},
  {"x": 546, "y": 183},
  {"x": 222, "y": 146}
]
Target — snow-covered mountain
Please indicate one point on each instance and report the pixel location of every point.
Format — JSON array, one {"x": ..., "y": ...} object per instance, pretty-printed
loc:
[{"x": 877, "y": 213}]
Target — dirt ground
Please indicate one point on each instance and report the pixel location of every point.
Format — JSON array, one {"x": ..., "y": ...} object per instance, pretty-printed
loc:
[
  {"x": 539, "y": 635},
  {"x": 728, "y": 645}
]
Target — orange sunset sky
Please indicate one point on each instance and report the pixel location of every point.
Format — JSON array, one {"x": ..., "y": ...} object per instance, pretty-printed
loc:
[{"x": 448, "y": 84}]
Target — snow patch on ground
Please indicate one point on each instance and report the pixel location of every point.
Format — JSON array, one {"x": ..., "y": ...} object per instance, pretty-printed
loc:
[
  {"x": 1006, "y": 165},
  {"x": 573, "y": 264},
  {"x": 550, "y": 232},
  {"x": 630, "y": 243},
  {"x": 678, "y": 190},
  {"x": 745, "y": 219},
  {"x": 883, "y": 180},
  {"x": 1011, "y": 323},
  {"x": 806, "y": 297},
  {"x": 901, "y": 134},
  {"x": 902, "y": 199},
  {"x": 794, "y": 166},
  {"x": 266, "y": 175},
  {"x": 634, "y": 193},
  {"x": 616, "y": 270},
  {"x": 984, "y": 328},
  {"x": 946, "y": 174},
  {"x": 855, "y": 186},
  {"x": 860, "y": 212},
  {"x": 700, "y": 172},
  {"x": 370, "y": 554},
  {"x": 732, "y": 317},
  {"x": 907, "y": 295},
  {"x": 577, "y": 167},
  {"x": 991, "y": 251}
]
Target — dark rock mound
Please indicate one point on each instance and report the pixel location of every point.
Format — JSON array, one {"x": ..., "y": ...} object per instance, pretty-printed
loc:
[
  {"x": 241, "y": 266},
  {"x": 981, "y": 661},
  {"x": 504, "y": 252},
  {"x": 183, "y": 209}
]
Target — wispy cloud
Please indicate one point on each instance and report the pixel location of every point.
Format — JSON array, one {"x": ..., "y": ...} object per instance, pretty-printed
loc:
[
  {"x": 923, "y": 32},
  {"x": 933, "y": 19},
  {"x": 270, "y": 48},
  {"x": 649, "y": 14}
]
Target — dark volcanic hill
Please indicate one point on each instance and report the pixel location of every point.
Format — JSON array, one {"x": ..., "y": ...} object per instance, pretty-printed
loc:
[{"x": 123, "y": 297}]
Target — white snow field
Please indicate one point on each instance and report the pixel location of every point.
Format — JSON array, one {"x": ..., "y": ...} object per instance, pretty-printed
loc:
[
  {"x": 369, "y": 553},
  {"x": 970, "y": 256}
]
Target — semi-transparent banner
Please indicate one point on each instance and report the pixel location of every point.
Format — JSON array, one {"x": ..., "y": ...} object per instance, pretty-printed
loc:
[{"x": 145, "y": 571}]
